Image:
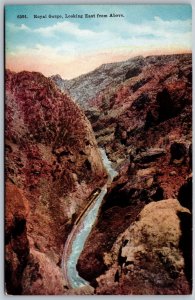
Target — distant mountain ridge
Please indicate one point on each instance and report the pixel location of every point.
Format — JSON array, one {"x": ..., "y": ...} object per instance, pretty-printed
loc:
[{"x": 86, "y": 87}]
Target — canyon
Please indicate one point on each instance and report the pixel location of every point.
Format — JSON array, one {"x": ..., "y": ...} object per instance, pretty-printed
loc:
[{"x": 140, "y": 112}]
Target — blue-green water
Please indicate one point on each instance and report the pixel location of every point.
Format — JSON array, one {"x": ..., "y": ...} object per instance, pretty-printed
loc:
[{"x": 88, "y": 220}]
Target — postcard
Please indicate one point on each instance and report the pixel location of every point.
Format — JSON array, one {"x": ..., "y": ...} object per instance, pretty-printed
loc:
[{"x": 98, "y": 140}]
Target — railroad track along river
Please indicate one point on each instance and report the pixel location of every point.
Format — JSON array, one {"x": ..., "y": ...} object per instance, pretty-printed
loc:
[{"x": 81, "y": 229}]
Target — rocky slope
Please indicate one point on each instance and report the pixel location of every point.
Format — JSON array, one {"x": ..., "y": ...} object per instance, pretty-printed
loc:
[
  {"x": 52, "y": 166},
  {"x": 86, "y": 87},
  {"x": 144, "y": 123}
]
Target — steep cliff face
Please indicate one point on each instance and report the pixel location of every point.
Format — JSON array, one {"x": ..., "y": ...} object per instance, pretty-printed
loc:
[
  {"x": 52, "y": 162},
  {"x": 145, "y": 125}
]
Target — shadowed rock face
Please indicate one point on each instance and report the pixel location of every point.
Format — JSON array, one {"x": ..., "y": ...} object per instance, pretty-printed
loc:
[
  {"x": 145, "y": 125},
  {"x": 53, "y": 161},
  {"x": 16, "y": 242}
]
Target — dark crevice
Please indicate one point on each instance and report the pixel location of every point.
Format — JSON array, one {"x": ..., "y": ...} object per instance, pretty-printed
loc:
[
  {"x": 20, "y": 225},
  {"x": 178, "y": 150},
  {"x": 158, "y": 195},
  {"x": 121, "y": 259},
  {"x": 141, "y": 102},
  {"x": 185, "y": 194},
  {"x": 87, "y": 164},
  {"x": 168, "y": 108},
  {"x": 185, "y": 243},
  {"x": 116, "y": 276},
  {"x": 117, "y": 197}
]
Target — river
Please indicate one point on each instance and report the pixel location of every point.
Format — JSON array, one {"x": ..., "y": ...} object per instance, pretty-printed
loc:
[{"x": 83, "y": 229}]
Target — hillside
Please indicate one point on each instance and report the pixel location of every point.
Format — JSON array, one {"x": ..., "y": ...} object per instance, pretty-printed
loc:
[
  {"x": 145, "y": 125},
  {"x": 52, "y": 166},
  {"x": 86, "y": 87}
]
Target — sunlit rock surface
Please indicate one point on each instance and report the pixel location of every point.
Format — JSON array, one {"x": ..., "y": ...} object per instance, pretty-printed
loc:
[{"x": 147, "y": 257}]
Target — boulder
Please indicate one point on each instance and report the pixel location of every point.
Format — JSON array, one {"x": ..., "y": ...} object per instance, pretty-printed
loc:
[{"x": 146, "y": 258}]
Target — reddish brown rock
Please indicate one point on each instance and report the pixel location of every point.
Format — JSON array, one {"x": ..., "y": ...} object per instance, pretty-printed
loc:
[
  {"x": 52, "y": 156},
  {"x": 16, "y": 241},
  {"x": 145, "y": 125}
]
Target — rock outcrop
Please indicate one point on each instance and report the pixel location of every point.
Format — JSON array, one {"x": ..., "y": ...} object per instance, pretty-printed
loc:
[
  {"x": 145, "y": 125},
  {"x": 148, "y": 254},
  {"x": 52, "y": 166}
]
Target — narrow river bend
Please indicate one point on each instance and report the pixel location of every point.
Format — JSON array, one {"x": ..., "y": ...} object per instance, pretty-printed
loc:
[{"x": 76, "y": 240}]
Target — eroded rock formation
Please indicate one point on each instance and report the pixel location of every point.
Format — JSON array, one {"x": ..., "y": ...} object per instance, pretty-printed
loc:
[
  {"x": 53, "y": 165},
  {"x": 145, "y": 125}
]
